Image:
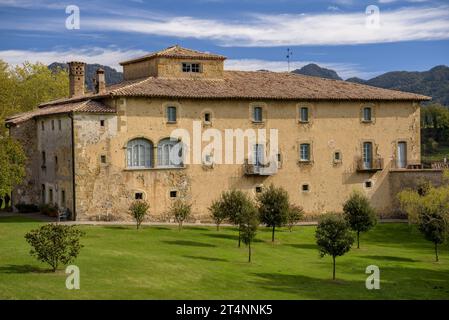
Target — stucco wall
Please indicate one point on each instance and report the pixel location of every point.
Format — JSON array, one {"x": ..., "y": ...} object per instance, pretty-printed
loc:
[{"x": 104, "y": 191}]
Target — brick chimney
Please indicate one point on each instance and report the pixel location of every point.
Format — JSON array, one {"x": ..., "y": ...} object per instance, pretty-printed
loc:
[
  {"x": 100, "y": 86},
  {"x": 76, "y": 78}
]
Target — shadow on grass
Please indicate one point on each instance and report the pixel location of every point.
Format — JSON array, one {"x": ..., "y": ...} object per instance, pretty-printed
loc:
[
  {"x": 227, "y": 236},
  {"x": 160, "y": 228},
  {"x": 120, "y": 227},
  {"x": 194, "y": 228},
  {"x": 207, "y": 258},
  {"x": 303, "y": 246},
  {"x": 26, "y": 268},
  {"x": 389, "y": 258},
  {"x": 189, "y": 243}
]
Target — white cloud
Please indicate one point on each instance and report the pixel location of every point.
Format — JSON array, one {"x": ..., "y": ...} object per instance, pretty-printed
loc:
[
  {"x": 109, "y": 56},
  {"x": 404, "y": 24}
]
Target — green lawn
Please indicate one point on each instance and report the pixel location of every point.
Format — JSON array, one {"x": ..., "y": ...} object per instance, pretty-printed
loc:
[
  {"x": 200, "y": 263},
  {"x": 443, "y": 151}
]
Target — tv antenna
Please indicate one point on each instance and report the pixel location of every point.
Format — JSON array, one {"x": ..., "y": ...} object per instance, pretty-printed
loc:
[{"x": 288, "y": 56}]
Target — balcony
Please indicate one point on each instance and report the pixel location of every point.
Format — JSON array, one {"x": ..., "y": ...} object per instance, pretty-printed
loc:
[
  {"x": 376, "y": 164},
  {"x": 268, "y": 169}
]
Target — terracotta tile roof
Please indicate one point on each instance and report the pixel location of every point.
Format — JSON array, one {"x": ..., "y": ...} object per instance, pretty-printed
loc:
[
  {"x": 89, "y": 106},
  {"x": 177, "y": 52},
  {"x": 259, "y": 85}
]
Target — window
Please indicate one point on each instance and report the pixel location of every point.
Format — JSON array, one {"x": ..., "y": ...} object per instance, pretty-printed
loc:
[
  {"x": 257, "y": 114},
  {"x": 42, "y": 125},
  {"x": 138, "y": 196},
  {"x": 103, "y": 158},
  {"x": 304, "y": 152},
  {"x": 367, "y": 155},
  {"x": 305, "y": 188},
  {"x": 171, "y": 114},
  {"x": 191, "y": 67},
  {"x": 43, "y": 193},
  {"x": 60, "y": 124},
  {"x": 101, "y": 123},
  {"x": 207, "y": 117},
  {"x": 169, "y": 153},
  {"x": 258, "y": 154},
  {"x": 52, "y": 125},
  {"x": 259, "y": 189},
  {"x": 367, "y": 114},
  {"x": 63, "y": 198},
  {"x": 173, "y": 194},
  {"x": 368, "y": 184},
  {"x": 44, "y": 159},
  {"x": 304, "y": 114},
  {"x": 139, "y": 153},
  {"x": 337, "y": 156},
  {"x": 50, "y": 195}
]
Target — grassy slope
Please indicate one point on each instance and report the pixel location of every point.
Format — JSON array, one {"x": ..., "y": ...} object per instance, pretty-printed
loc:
[
  {"x": 200, "y": 263},
  {"x": 443, "y": 151}
]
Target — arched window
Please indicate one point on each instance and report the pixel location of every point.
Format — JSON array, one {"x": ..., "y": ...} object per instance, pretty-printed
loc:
[
  {"x": 139, "y": 153},
  {"x": 169, "y": 153}
]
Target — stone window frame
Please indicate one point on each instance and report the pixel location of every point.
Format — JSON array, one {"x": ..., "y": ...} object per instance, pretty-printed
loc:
[
  {"x": 264, "y": 107},
  {"x": 366, "y": 182},
  {"x": 175, "y": 192},
  {"x": 165, "y": 107},
  {"x": 337, "y": 161},
  {"x": 302, "y": 187},
  {"x": 259, "y": 186},
  {"x": 157, "y": 147},
  {"x": 372, "y": 106},
  {"x": 190, "y": 64},
  {"x": 408, "y": 151},
  {"x": 298, "y": 149},
  {"x": 59, "y": 124},
  {"x": 311, "y": 113},
  {"x": 136, "y": 191},
  {"x": 211, "y": 117}
]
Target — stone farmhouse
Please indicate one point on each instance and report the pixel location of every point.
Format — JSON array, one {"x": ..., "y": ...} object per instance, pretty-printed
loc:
[{"x": 95, "y": 152}]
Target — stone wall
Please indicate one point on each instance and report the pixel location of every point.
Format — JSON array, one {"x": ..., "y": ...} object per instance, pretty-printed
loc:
[{"x": 105, "y": 190}]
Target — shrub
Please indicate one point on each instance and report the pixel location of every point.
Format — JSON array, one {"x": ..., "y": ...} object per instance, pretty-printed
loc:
[
  {"x": 218, "y": 213},
  {"x": 138, "y": 210},
  {"x": 49, "y": 209},
  {"x": 55, "y": 244},
  {"x": 359, "y": 214},
  {"x": 333, "y": 237},
  {"x": 248, "y": 227},
  {"x": 294, "y": 215},
  {"x": 273, "y": 206},
  {"x": 181, "y": 211},
  {"x": 234, "y": 203},
  {"x": 433, "y": 226},
  {"x": 26, "y": 208}
]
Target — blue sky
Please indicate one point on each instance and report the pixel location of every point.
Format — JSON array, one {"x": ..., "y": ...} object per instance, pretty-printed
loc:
[{"x": 411, "y": 35}]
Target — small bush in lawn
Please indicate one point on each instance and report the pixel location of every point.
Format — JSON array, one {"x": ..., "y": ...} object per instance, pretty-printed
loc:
[
  {"x": 433, "y": 226},
  {"x": 138, "y": 210},
  {"x": 248, "y": 226},
  {"x": 234, "y": 203},
  {"x": 55, "y": 244},
  {"x": 273, "y": 206},
  {"x": 333, "y": 237},
  {"x": 359, "y": 214},
  {"x": 295, "y": 214},
  {"x": 218, "y": 213},
  {"x": 181, "y": 211}
]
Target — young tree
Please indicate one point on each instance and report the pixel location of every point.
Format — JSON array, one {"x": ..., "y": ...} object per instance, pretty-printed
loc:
[
  {"x": 234, "y": 203},
  {"x": 295, "y": 214},
  {"x": 12, "y": 165},
  {"x": 359, "y": 214},
  {"x": 273, "y": 206},
  {"x": 180, "y": 210},
  {"x": 218, "y": 213},
  {"x": 248, "y": 225},
  {"x": 55, "y": 244},
  {"x": 138, "y": 210},
  {"x": 433, "y": 226},
  {"x": 333, "y": 237}
]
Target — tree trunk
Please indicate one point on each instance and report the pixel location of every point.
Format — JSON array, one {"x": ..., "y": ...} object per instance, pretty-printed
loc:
[
  {"x": 272, "y": 234},
  {"x": 218, "y": 227},
  {"x": 436, "y": 252},
  {"x": 249, "y": 251},
  {"x": 358, "y": 239},
  {"x": 333, "y": 273},
  {"x": 239, "y": 237}
]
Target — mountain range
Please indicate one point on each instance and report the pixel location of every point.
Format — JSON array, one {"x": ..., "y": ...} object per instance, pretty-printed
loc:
[{"x": 434, "y": 82}]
